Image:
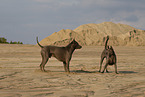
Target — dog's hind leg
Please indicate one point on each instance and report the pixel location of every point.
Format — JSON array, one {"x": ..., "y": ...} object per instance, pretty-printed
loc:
[
  {"x": 64, "y": 64},
  {"x": 105, "y": 67},
  {"x": 107, "y": 70},
  {"x": 115, "y": 65},
  {"x": 44, "y": 60},
  {"x": 101, "y": 64}
]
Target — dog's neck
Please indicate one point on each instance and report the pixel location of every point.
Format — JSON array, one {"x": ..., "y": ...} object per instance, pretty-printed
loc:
[{"x": 70, "y": 48}]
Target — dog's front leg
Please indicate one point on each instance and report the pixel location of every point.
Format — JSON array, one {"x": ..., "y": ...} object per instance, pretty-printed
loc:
[
  {"x": 67, "y": 67},
  {"x": 101, "y": 64},
  {"x": 115, "y": 65},
  {"x": 44, "y": 60}
]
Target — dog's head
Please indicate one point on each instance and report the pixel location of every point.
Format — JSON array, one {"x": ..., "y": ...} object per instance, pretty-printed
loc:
[{"x": 75, "y": 44}]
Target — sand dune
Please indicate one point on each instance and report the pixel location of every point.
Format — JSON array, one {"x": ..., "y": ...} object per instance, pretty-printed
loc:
[
  {"x": 94, "y": 35},
  {"x": 20, "y": 75}
]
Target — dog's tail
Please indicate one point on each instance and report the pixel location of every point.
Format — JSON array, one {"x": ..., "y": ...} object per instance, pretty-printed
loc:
[
  {"x": 106, "y": 47},
  {"x": 39, "y": 43}
]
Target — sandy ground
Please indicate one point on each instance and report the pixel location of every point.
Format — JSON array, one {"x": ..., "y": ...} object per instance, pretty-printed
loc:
[{"x": 20, "y": 75}]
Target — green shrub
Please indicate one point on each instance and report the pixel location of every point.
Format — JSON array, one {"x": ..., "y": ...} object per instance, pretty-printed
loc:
[{"x": 3, "y": 40}]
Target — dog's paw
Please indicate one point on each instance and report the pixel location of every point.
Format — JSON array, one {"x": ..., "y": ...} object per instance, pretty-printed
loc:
[
  {"x": 117, "y": 73},
  {"x": 107, "y": 71}
]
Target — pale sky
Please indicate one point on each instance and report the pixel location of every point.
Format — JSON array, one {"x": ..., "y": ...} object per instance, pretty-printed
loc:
[{"x": 23, "y": 20}]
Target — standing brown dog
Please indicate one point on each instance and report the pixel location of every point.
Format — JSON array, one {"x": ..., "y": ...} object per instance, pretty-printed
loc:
[
  {"x": 63, "y": 54},
  {"x": 110, "y": 56}
]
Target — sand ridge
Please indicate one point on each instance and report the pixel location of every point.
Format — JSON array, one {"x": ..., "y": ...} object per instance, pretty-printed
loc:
[{"x": 94, "y": 35}]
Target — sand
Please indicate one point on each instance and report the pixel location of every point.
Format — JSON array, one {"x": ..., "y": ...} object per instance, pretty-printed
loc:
[{"x": 20, "y": 75}]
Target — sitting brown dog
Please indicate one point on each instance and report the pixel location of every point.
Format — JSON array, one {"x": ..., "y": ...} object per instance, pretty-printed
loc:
[
  {"x": 110, "y": 56},
  {"x": 63, "y": 54}
]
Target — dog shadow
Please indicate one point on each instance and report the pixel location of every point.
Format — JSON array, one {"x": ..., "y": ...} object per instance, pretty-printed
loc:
[
  {"x": 120, "y": 72},
  {"x": 127, "y": 72},
  {"x": 83, "y": 71}
]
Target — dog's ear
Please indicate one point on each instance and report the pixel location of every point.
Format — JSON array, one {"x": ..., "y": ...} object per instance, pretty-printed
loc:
[
  {"x": 111, "y": 47},
  {"x": 73, "y": 40},
  {"x": 70, "y": 40},
  {"x": 107, "y": 47}
]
